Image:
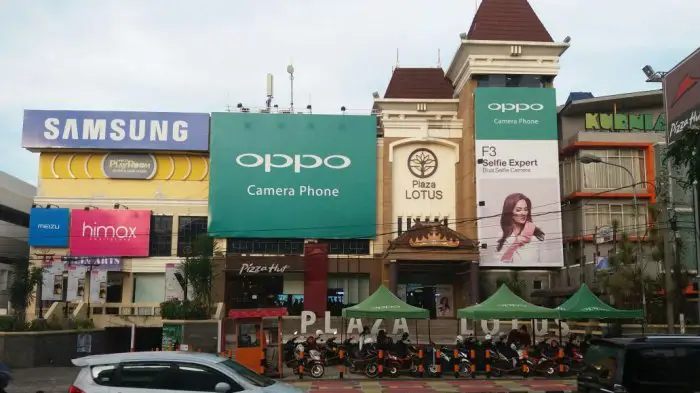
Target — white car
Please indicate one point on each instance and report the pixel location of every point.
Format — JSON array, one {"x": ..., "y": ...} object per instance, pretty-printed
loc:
[{"x": 169, "y": 371}]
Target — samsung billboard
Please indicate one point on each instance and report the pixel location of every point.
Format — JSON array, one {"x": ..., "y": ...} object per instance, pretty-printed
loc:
[{"x": 53, "y": 129}]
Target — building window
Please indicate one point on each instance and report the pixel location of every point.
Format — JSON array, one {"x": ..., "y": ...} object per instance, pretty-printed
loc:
[
  {"x": 265, "y": 246},
  {"x": 537, "y": 284},
  {"x": 604, "y": 214},
  {"x": 346, "y": 246},
  {"x": 607, "y": 177},
  {"x": 499, "y": 80},
  {"x": 190, "y": 228},
  {"x": 348, "y": 289},
  {"x": 14, "y": 216},
  {"x": 161, "y": 239},
  {"x": 568, "y": 175},
  {"x": 149, "y": 288}
]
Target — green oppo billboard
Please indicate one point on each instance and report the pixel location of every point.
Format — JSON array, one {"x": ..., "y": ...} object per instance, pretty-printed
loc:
[
  {"x": 292, "y": 176},
  {"x": 515, "y": 113}
]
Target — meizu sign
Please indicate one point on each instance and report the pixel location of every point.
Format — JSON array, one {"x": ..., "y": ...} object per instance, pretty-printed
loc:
[{"x": 300, "y": 176}]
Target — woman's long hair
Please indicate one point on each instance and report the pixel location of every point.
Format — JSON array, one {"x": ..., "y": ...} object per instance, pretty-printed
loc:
[{"x": 507, "y": 223}]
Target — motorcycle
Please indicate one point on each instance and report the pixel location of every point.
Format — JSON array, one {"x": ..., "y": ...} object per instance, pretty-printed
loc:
[
  {"x": 396, "y": 365},
  {"x": 313, "y": 364},
  {"x": 365, "y": 360}
]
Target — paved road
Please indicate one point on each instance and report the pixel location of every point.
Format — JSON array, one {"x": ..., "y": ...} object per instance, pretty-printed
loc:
[{"x": 57, "y": 380}]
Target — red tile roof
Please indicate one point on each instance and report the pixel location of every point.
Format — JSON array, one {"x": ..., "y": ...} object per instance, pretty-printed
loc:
[
  {"x": 428, "y": 83},
  {"x": 507, "y": 20}
]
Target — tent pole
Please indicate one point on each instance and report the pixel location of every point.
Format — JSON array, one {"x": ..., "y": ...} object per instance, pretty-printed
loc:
[
  {"x": 561, "y": 340},
  {"x": 416, "y": 331},
  {"x": 430, "y": 338}
]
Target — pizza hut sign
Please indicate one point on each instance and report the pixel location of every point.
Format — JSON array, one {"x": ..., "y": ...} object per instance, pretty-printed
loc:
[{"x": 253, "y": 268}]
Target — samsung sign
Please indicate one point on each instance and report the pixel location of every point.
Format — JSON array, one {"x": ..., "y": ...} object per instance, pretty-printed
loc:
[
  {"x": 44, "y": 129},
  {"x": 49, "y": 227}
]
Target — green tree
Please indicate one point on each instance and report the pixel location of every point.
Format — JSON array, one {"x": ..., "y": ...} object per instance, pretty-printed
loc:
[
  {"x": 23, "y": 283},
  {"x": 683, "y": 155},
  {"x": 513, "y": 282},
  {"x": 625, "y": 279},
  {"x": 198, "y": 271}
]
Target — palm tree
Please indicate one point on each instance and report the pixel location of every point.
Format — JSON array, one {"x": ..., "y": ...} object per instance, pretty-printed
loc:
[{"x": 24, "y": 280}]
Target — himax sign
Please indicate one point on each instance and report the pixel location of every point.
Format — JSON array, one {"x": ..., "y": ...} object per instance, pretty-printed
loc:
[
  {"x": 110, "y": 233},
  {"x": 49, "y": 129}
]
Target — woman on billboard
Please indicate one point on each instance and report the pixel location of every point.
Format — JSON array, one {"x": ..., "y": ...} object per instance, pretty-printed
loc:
[{"x": 521, "y": 239}]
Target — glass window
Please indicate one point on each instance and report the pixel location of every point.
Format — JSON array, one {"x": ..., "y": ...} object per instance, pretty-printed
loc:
[
  {"x": 271, "y": 246},
  {"x": 252, "y": 377},
  {"x": 607, "y": 177},
  {"x": 189, "y": 229},
  {"x": 650, "y": 365},
  {"x": 347, "y": 246},
  {"x": 688, "y": 360},
  {"x": 14, "y": 216},
  {"x": 148, "y": 375},
  {"x": 354, "y": 288},
  {"x": 604, "y": 214},
  {"x": 149, "y": 287},
  {"x": 197, "y": 378},
  {"x": 601, "y": 361},
  {"x": 103, "y": 375},
  {"x": 161, "y": 239}
]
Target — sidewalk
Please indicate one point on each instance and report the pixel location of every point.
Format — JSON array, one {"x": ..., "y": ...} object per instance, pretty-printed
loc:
[{"x": 438, "y": 386}]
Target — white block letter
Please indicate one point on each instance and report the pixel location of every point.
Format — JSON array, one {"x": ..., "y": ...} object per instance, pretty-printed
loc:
[{"x": 308, "y": 318}]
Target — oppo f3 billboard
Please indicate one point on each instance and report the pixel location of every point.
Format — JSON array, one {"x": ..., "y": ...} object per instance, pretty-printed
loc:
[{"x": 517, "y": 178}]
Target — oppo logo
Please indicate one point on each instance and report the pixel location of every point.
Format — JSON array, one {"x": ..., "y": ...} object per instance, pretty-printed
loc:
[
  {"x": 120, "y": 232},
  {"x": 509, "y": 107},
  {"x": 297, "y": 161}
]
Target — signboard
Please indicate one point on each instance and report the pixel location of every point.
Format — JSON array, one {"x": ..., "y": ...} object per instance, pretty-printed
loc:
[
  {"x": 98, "y": 286},
  {"x": 76, "y": 283},
  {"x": 423, "y": 179},
  {"x": 517, "y": 178},
  {"x": 254, "y": 268},
  {"x": 616, "y": 122},
  {"x": 95, "y": 263},
  {"x": 49, "y": 227},
  {"x": 110, "y": 233},
  {"x": 52, "y": 281},
  {"x": 129, "y": 166},
  {"x": 55, "y": 129},
  {"x": 513, "y": 113},
  {"x": 300, "y": 176},
  {"x": 682, "y": 95}
]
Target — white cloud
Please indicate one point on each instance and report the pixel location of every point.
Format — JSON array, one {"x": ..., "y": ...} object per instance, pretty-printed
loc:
[{"x": 199, "y": 56}]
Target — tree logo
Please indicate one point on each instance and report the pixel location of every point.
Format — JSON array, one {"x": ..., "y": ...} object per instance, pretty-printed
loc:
[{"x": 422, "y": 163}]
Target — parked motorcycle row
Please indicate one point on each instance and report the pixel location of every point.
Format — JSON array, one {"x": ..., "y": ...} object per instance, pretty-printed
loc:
[{"x": 467, "y": 358}]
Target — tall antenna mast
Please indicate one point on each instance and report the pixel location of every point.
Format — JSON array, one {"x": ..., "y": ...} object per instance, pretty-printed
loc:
[
  {"x": 270, "y": 93},
  {"x": 397, "y": 57},
  {"x": 290, "y": 71},
  {"x": 439, "y": 63}
]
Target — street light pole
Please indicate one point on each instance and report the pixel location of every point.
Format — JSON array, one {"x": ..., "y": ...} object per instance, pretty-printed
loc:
[
  {"x": 696, "y": 206},
  {"x": 591, "y": 159}
]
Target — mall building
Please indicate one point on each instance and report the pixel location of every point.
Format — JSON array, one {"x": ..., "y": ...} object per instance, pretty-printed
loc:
[
  {"x": 454, "y": 160},
  {"x": 450, "y": 185}
]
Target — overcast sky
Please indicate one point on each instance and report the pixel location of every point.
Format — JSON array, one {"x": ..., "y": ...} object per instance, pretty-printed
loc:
[{"x": 176, "y": 55}]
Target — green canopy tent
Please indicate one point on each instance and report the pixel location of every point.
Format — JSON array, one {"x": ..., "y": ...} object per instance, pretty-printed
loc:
[
  {"x": 384, "y": 304},
  {"x": 507, "y": 305},
  {"x": 584, "y": 304}
]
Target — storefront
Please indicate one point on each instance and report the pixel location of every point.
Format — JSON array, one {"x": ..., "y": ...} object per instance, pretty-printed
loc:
[
  {"x": 435, "y": 268},
  {"x": 260, "y": 282}
]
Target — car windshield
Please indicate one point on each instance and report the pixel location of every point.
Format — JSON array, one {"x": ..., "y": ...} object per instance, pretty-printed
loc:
[
  {"x": 251, "y": 376},
  {"x": 601, "y": 361}
]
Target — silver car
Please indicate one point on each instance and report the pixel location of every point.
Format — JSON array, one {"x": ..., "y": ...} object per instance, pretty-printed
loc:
[{"x": 171, "y": 372}]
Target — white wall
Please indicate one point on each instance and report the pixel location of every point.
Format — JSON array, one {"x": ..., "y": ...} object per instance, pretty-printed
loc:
[{"x": 431, "y": 197}]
